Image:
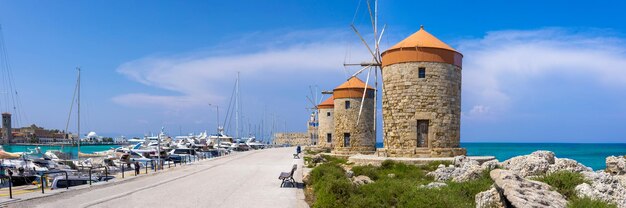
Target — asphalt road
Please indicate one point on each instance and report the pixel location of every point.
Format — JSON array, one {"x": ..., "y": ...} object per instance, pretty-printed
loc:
[{"x": 247, "y": 179}]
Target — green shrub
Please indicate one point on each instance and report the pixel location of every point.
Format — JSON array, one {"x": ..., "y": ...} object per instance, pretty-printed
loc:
[
  {"x": 382, "y": 193},
  {"x": 333, "y": 193},
  {"x": 336, "y": 160},
  {"x": 453, "y": 195},
  {"x": 588, "y": 202},
  {"x": 330, "y": 186},
  {"x": 387, "y": 164},
  {"x": 332, "y": 189},
  {"x": 368, "y": 170},
  {"x": 563, "y": 181},
  {"x": 401, "y": 170}
]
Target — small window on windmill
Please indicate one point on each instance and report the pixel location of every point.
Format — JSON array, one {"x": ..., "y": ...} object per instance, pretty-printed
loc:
[
  {"x": 327, "y": 113},
  {"x": 329, "y": 138},
  {"x": 347, "y": 104},
  {"x": 422, "y": 72}
]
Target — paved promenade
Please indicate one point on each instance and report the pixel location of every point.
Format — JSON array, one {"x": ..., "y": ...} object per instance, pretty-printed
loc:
[{"x": 246, "y": 179}]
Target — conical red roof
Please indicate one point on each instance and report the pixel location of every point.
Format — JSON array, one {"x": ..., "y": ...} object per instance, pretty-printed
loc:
[
  {"x": 353, "y": 83},
  {"x": 353, "y": 88},
  {"x": 328, "y": 103},
  {"x": 422, "y": 39},
  {"x": 421, "y": 46}
]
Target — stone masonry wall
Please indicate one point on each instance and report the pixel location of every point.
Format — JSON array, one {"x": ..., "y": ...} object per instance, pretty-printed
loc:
[
  {"x": 326, "y": 126},
  {"x": 292, "y": 138},
  {"x": 362, "y": 135},
  {"x": 408, "y": 98}
]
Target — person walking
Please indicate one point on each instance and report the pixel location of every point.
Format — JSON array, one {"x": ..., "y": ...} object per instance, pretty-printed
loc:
[
  {"x": 298, "y": 150},
  {"x": 136, "y": 167}
]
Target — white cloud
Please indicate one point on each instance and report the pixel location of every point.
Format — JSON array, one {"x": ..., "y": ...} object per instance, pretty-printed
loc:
[
  {"x": 197, "y": 79},
  {"x": 504, "y": 61}
]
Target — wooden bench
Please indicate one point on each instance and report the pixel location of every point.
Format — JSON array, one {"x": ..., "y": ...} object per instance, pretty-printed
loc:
[
  {"x": 296, "y": 156},
  {"x": 288, "y": 176}
]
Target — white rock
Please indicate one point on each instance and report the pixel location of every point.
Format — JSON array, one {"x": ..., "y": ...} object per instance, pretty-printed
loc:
[
  {"x": 490, "y": 199},
  {"x": 362, "y": 180},
  {"x": 444, "y": 174},
  {"x": 548, "y": 155},
  {"x": 434, "y": 185},
  {"x": 318, "y": 159},
  {"x": 462, "y": 160},
  {"x": 616, "y": 165},
  {"x": 537, "y": 163},
  {"x": 567, "y": 164},
  {"x": 464, "y": 169},
  {"x": 621, "y": 179},
  {"x": 521, "y": 192},
  {"x": 603, "y": 187},
  {"x": 468, "y": 173},
  {"x": 349, "y": 174},
  {"x": 491, "y": 164}
]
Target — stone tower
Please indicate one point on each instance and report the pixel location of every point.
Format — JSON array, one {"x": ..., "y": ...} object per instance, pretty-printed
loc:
[
  {"x": 326, "y": 127},
  {"x": 7, "y": 136},
  {"x": 421, "y": 98},
  {"x": 351, "y": 137}
]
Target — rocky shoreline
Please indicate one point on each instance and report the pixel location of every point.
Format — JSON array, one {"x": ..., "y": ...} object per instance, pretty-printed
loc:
[
  {"x": 536, "y": 180},
  {"x": 514, "y": 184}
]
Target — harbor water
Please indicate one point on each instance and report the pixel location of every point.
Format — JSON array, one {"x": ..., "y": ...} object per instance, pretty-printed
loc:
[{"x": 72, "y": 150}]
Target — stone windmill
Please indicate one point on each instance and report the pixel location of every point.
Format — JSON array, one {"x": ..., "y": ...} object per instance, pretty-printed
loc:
[
  {"x": 422, "y": 98},
  {"x": 421, "y": 88},
  {"x": 365, "y": 119},
  {"x": 326, "y": 128}
]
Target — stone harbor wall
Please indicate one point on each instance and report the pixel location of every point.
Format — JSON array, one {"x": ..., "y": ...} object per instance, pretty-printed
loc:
[
  {"x": 326, "y": 126},
  {"x": 435, "y": 98},
  {"x": 292, "y": 138},
  {"x": 362, "y": 135}
]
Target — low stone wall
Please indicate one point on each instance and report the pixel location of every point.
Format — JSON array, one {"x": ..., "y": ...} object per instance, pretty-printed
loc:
[
  {"x": 293, "y": 138},
  {"x": 421, "y": 152},
  {"x": 377, "y": 160}
]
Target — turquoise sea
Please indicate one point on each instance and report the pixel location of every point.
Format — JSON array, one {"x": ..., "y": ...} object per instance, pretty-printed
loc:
[
  {"x": 591, "y": 155},
  {"x": 73, "y": 150}
]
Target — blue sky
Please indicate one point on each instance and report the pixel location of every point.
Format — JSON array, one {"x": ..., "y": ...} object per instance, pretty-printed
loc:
[{"x": 534, "y": 71}]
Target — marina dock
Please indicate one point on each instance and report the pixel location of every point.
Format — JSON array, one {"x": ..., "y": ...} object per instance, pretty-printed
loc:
[{"x": 242, "y": 179}]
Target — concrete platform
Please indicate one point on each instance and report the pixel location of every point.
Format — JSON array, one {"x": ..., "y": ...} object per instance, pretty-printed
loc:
[{"x": 377, "y": 160}]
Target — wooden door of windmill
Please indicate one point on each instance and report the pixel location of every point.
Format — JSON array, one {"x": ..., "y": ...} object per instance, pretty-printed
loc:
[{"x": 422, "y": 133}]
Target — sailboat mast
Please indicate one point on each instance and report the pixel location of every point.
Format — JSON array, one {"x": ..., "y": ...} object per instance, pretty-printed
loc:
[
  {"x": 237, "y": 107},
  {"x": 78, "y": 119}
]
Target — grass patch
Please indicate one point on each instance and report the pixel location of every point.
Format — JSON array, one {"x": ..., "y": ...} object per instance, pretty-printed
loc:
[
  {"x": 400, "y": 170},
  {"x": 588, "y": 202},
  {"x": 309, "y": 161},
  {"x": 563, "y": 181},
  {"x": 332, "y": 189},
  {"x": 453, "y": 195},
  {"x": 335, "y": 160}
]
